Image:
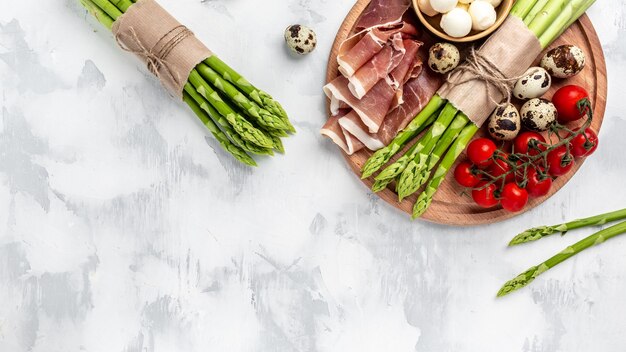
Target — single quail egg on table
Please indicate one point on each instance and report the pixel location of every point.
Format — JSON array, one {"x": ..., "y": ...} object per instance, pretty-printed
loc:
[
  {"x": 300, "y": 39},
  {"x": 443, "y": 57},
  {"x": 504, "y": 123},
  {"x": 538, "y": 114},
  {"x": 483, "y": 15},
  {"x": 534, "y": 83},
  {"x": 564, "y": 61},
  {"x": 457, "y": 23}
]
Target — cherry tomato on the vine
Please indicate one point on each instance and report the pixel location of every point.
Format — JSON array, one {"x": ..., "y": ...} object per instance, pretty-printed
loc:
[
  {"x": 465, "y": 176},
  {"x": 501, "y": 167},
  {"x": 538, "y": 184},
  {"x": 513, "y": 197},
  {"x": 567, "y": 100},
  {"x": 484, "y": 195},
  {"x": 584, "y": 144},
  {"x": 523, "y": 142},
  {"x": 560, "y": 162},
  {"x": 480, "y": 152}
]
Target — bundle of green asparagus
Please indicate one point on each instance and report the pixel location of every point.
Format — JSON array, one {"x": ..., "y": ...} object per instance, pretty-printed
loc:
[
  {"x": 537, "y": 233},
  {"x": 450, "y": 131},
  {"x": 243, "y": 119}
]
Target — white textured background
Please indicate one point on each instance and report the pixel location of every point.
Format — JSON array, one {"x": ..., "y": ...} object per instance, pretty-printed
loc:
[{"x": 124, "y": 228}]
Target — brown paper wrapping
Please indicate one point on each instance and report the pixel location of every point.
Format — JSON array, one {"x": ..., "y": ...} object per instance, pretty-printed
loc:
[
  {"x": 512, "y": 49},
  {"x": 168, "y": 48}
]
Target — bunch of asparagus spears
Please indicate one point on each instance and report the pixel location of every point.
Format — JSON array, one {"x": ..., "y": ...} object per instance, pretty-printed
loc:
[
  {"x": 537, "y": 233},
  {"x": 449, "y": 130},
  {"x": 243, "y": 119}
]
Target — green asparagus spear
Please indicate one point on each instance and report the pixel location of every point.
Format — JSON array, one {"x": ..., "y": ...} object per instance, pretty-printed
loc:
[
  {"x": 561, "y": 22},
  {"x": 547, "y": 15},
  {"x": 242, "y": 126},
  {"x": 521, "y": 8},
  {"x": 234, "y": 150},
  {"x": 262, "y": 116},
  {"x": 224, "y": 125},
  {"x": 426, "y": 197},
  {"x": 97, "y": 12},
  {"x": 260, "y": 97},
  {"x": 122, "y": 5},
  {"x": 529, "y": 275},
  {"x": 408, "y": 181},
  {"x": 414, "y": 128},
  {"x": 392, "y": 171},
  {"x": 538, "y": 233},
  {"x": 109, "y": 8},
  {"x": 537, "y": 7},
  {"x": 444, "y": 143}
]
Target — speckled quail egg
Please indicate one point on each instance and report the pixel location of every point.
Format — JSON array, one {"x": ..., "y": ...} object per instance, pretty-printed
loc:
[
  {"x": 538, "y": 114},
  {"x": 534, "y": 83},
  {"x": 564, "y": 61},
  {"x": 443, "y": 57},
  {"x": 504, "y": 123},
  {"x": 300, "y": 39}
]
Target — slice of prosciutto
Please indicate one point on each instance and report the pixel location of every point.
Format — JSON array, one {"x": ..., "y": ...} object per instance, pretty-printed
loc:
[
  {"x": 360, "y": 48},
  {"x": 379, "y": 67},
  {"x": 344, "y": 139},
  {"x": 372, "y": 108},
  {"x": 383, "y": 96},
  {"x": 381, "y": 13}
]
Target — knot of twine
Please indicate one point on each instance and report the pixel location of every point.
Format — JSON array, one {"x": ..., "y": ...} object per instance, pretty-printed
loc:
[
  {"x": 481, "y": 69},
  {"x": 155, "y": 57}
]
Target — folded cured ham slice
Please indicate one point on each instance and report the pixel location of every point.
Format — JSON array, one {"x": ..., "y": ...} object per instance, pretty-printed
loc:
[
  {"x": 382, "y": 13},
  {"x": 374, "y": 106},
  {"x": 352, "y": 124},
  {"x": 416, "y": 94},
  {"x": 344, "y": 139},
  {"x": 379, "y": 67},
  {"x": 360, "y": 48}
]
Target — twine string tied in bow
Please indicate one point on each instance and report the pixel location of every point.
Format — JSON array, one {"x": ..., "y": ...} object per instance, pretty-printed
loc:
[
  {"x": 156, "y": 57},
  {"x": 479, "y": 68}
]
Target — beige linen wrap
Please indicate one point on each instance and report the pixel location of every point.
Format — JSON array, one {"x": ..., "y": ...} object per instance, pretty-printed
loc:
[
  {"x": 168, "y": 48},
  {"x": 511, "y": 50}
]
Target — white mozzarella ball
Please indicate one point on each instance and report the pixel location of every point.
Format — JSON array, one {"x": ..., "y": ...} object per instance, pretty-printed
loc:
[
  {"x": 443, "y": 6},
  {"x": 456, "y": 23},
  {"x": 483, "y": 15},
  {"x": 494, "y": 3},
  {"x": 427, "y": 8}
]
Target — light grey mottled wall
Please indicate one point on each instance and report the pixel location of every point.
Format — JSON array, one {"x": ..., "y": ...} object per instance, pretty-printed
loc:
[{"x": 124, "y": 227}]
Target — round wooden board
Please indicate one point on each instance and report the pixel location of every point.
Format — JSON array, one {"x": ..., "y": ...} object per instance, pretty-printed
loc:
[{"x": 449, "y": 205}]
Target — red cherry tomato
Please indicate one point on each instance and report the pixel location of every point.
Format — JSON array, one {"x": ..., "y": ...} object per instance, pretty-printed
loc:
[
  {"x": 566, "y": 101},
  {"x": 480, "y": 152},
  {"x": 484, "y": 195},
  {"x": 539, "y": 184},
  {"x": 560, "y": 161},
  {"x": 501, "y": 167},
  {"x": 465, "y": 176},
  {"x": 513, "y": 197},
  {"x": 522, "y": 143},
  {"x": 584, "y": 144}
]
